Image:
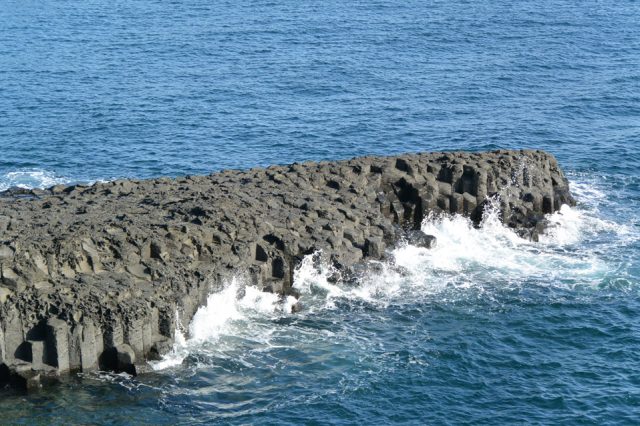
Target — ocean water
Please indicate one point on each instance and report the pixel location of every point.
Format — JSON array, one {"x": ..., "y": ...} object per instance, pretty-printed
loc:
[{"x": 485, "y": 329}]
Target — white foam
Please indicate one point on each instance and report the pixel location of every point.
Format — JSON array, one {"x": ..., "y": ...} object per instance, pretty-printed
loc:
[
  {"x": 179, "y": 352},
  {"x": 587, "y": 192},
  {"x": 469, "y": 257},
  {"x": 466, "y": 260},
  {"x": 497, "y": 249},
  {"x": 312, "y": 279},
  {"x": 232, "y": 312},
  {"x": 570, "y": 226},
  {"x": 30, "y": 178}
]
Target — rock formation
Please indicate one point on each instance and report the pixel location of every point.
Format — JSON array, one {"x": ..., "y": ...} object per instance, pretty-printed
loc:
[{"x": 91, "y": 277}]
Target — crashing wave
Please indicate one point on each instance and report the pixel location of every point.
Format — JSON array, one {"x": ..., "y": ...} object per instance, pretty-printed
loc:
[{"x": 465, "y": 257}]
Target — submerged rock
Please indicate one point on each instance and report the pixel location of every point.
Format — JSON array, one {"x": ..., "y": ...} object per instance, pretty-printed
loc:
[{"x": 95, "y": 276}]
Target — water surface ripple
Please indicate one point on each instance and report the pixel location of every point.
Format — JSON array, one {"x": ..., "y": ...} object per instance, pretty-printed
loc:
[{"x": 486, "y": 329}]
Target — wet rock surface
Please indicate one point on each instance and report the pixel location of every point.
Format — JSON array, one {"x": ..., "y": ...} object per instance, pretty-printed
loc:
[{"x": 92, "y": 277}]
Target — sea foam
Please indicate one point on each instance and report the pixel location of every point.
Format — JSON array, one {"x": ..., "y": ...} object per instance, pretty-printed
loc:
[
  {"x": 466, "y": 257},
  {"x": 30, "y": 178}
]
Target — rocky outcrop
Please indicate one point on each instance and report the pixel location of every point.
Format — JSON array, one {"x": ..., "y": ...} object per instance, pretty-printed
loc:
[{"x": 92, "y": 277}]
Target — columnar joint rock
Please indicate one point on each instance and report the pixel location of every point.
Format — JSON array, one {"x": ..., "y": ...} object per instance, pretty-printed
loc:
[{"x": 92, "y": 277}]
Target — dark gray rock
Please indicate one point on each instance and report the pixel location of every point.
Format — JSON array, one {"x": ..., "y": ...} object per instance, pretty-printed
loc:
[
  {"x": 374, "y": 247},
  {"x": 420, "y": 239},
  {"x": 125, "y": 359},
  {"x": 92, "y": 276}
]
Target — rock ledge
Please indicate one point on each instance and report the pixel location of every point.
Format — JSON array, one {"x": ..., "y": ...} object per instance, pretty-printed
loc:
[{"x": 91, "y": 277}]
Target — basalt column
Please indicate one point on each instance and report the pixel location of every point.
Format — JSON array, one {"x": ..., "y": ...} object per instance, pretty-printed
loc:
[{"x": 99, "y": 276}]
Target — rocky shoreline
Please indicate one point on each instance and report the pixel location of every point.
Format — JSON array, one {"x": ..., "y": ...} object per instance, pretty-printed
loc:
[{"x": 92, "y": 277}]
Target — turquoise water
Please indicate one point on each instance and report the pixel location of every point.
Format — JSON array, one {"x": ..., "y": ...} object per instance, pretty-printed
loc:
[{"x": 487, "y": 328}]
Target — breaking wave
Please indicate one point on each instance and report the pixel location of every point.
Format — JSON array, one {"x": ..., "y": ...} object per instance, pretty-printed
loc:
[
  {"x": 30, "y": 178},
  {"x": 467, "y": 260},
  {"x": 235, "y": 311}
]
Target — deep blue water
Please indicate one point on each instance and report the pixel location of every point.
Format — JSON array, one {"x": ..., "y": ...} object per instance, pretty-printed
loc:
[{"x": 487, "y": 329}]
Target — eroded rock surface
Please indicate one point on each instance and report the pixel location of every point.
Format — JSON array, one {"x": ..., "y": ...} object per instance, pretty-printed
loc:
[{"x": 92, "y": 276}]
